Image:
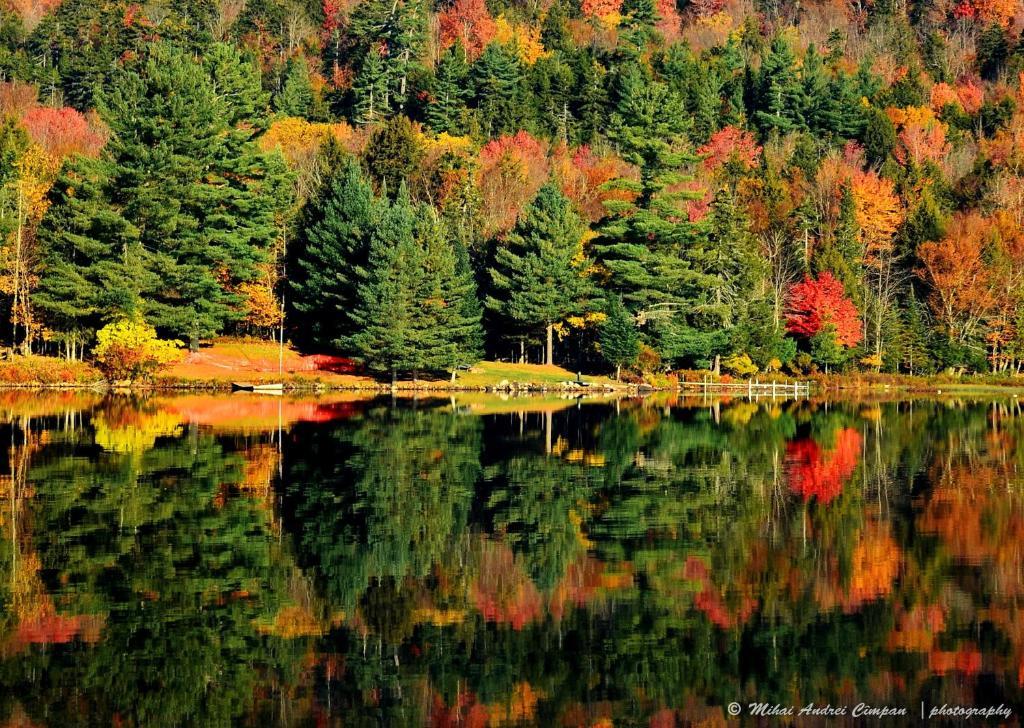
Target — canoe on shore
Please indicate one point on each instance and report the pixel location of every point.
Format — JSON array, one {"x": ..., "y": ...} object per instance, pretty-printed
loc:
[{"x": 268, "y": 388}]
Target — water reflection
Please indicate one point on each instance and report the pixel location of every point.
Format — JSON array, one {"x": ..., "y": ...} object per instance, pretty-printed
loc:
[{"x": 215, "y": 560}]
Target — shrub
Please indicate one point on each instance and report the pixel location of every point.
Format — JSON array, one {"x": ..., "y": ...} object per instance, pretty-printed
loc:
[
  {"x": 129, "y": 350},
  {"x": 740, "y": 365}
]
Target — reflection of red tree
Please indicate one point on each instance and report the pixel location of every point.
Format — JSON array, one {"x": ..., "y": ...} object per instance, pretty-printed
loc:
[
  {"x": 711, "y": 600},
  {"x": 820, "y": 473},
  {"x": 503, "y": 592},
  {"x": 585, "y": 581},
  {"x": 56, "y": 629}
]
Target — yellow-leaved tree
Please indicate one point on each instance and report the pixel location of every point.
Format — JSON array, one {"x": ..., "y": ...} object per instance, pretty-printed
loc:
[{"x": 129, "y": 350}]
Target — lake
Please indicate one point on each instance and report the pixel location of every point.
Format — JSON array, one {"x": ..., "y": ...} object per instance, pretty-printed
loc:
[{"x": 249, "y": 560}]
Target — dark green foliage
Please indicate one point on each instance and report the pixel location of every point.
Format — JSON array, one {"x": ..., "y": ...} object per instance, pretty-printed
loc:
[
  {"x": 387, "y": 322},
  {"x": 826, "y": 351},
  {"x": 620, "y": 341},
  {"x": 296, "y": 95},
  {"x": 993, "y": 50},
  {"x": 390, "y": 37},
  {"x": 181, "y": 204},
  {"x": 879, "y": 136},
  {"x": 537, "y": 274},
  {"x": 779, "y": 97},
  {"x": 333, "y": 248},
  {"x": 372, "y": 90},
  {"x": 414, "y": 309},
  {"x": 447, "y": 109},
  {"x": 393, "y": 154},
  {"x": 497, "y": 79}
]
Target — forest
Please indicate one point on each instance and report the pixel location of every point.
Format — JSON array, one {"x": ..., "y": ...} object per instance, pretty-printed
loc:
[{"x": 614, "y": 185}]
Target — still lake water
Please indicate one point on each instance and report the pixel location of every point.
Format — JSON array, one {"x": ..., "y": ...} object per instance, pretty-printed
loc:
[{"x": 245, "y": 560}]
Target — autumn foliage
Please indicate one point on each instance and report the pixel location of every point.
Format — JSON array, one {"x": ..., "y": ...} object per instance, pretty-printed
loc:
[
  {"x": 818, "y": 472},
  {"x": 816, "y": 303}
]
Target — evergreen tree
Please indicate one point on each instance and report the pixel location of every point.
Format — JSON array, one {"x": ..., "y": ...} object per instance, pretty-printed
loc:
[
  {"x": 780, "y": 97},
  {"x": 393, "y": 154},
  {"x": 451, "y": 333},
  {"x": 537, "y": 274},
  {"x": 915, "y": 338},
  {"x": 826, "y": 349},
  {"x": 729, "y": 267},
  {"x": 387, "y": 322},
  {"x": 296, "y": 95},
  {"x": 450, "y": 91},
  {"x": 643, "y": 242},
  {"x": 390, "y": 35},
  {"x": 333, "y": 250},
  {"x": 841, "y": 252},
  {"x": 620, "y": 341},
  {"x": 371, "y": 89},
  {"x": 195, "y": 205},
  {"x": 879, "y": 136},
  {"x": 497, "y": 90}
]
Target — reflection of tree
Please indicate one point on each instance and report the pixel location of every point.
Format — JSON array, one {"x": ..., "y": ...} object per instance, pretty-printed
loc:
[
  {"x": 667, "y": 570},
  {"x": 381, "y": 499},
  {"x": 818, "y": 472},
  {"x": 181, "y": 579}
]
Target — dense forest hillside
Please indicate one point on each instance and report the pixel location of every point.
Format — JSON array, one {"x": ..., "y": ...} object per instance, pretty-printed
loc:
[{"x": 748, "y": 185}]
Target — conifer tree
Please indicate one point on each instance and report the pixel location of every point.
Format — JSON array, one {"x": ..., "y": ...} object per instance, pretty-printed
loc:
[
  {"x": 450, "y": 91},
  {"x": 449, "y": 332},
  {"x": 497, "y": 89},
  {"x": 729, "y": 267},
  {"x": 385, "y": 315},
  {"x": 333, "y": 249},
  {"x": 195, "y": 205},
  {"x": 371, "y": 89},
  {"x": 537, "y": 273},
  {"x": 620, "y": 341},
  {"x": 643, "y": 243},
  {"x": 841, "y": 252},
  {"x": 780, "y": 97},
  {"x": 296, "y": 95}
]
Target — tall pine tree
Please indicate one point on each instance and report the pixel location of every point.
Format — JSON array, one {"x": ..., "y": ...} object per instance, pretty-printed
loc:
[
  {"x": 537, "y": 273},
  {"x": 333, "y": 250},
  {"x": 195, "y": 206}
]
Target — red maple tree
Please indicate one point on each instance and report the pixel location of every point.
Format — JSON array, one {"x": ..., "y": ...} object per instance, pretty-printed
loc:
[{"x": 816, "y": 303}]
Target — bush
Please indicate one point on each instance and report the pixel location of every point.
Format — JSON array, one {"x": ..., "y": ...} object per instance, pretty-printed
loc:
[
  {"x": 48, "y": 370},
  {"x": 129, "y": 349},
  {"x": 740, "y": 365}
]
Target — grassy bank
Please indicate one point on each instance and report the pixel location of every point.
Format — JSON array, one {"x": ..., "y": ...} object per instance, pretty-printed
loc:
[
  {"x": 240, "y": 360},
  {"x": 231, "y": 360}
]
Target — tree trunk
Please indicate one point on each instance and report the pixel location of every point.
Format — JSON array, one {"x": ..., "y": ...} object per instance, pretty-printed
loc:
[
  {"x": 551, "y": 345},
  {"x": 618, "y": 372}
]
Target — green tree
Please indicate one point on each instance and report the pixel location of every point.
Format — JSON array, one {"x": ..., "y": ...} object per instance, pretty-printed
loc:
[
  {"x": 537, "y": 275},
  {"x": 332, "y": 251},
  {"x": 780, "y": 96},
  {"x": 393, "y": 154},
  {"x": 371, "y": 89},
  {"x": 826, "y": 349},
  {"x": 385, "y": 316},
  {"x": 497, "y": 77},
  {"x": 296, "y": 95},
  {"x": 644, "y": 239},
  {"x": 181, "y": 203},
  {"x": 451, "y": 333},
  {"x": 620, "y": 342},
  {"x": 450, "y": 91}
]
